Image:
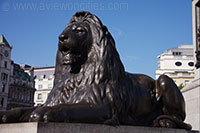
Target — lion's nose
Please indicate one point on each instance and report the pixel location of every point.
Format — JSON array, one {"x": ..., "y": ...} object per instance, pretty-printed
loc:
[{"x": 62, "y": 37}]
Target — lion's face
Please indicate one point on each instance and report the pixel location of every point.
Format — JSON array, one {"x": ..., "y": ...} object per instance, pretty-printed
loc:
[{"x": 74, "y": 43}]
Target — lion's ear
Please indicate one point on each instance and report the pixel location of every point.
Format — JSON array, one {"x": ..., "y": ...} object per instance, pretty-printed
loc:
[{"x": 105, "y": 29}]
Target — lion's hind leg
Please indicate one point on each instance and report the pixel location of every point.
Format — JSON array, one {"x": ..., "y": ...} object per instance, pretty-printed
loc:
[
  {"x": 173, "y": 104},
  {"x": 170, "y": 122}
]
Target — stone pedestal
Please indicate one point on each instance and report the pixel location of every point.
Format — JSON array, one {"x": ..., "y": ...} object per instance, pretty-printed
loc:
[
  {"x": 81, "y": 128},
  {"x": 191, "y": 94}
]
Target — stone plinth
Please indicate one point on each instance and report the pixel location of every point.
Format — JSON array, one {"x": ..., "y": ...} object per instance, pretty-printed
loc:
[
  {"x": 191, "y": 94},
  {"x": 81, "y": 128}
]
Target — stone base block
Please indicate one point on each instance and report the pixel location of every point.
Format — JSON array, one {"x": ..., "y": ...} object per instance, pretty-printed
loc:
[{"x": 81, "y": 128}]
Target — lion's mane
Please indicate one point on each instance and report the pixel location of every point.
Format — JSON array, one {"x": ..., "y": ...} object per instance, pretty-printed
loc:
[{"x": 101, "y": 80}]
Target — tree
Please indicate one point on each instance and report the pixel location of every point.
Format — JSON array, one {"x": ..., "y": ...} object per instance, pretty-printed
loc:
[{"x": 181, "y": 86}]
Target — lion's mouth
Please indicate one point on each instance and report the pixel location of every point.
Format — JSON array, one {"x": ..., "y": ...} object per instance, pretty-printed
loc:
[{"x": 70, "y": 56}]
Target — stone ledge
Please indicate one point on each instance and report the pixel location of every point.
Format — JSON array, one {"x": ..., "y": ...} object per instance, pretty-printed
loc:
[
  {"x": 81, "y": 128},
  {"x": 193, "y": 85}
]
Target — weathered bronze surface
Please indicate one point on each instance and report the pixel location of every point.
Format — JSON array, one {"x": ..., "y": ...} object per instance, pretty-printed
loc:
[
  {"x": 91, "y": 85},
  {"x": 197, "y": 52}
]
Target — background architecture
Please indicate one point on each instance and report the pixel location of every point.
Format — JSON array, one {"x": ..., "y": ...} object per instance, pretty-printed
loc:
[
  {"x": 177, "y": 63},
  {"x": 44, "y": 78},
  {"x": 17, "y": 85},
  {"x": 5, "y": 71},
  {"x": 21, "y": 86}
]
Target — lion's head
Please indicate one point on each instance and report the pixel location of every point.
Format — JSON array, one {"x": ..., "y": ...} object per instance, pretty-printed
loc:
[
  {"x": 88, "y": 66},
  {"x": 83, "y": 37},
  {"x": 74, "y": 43}
]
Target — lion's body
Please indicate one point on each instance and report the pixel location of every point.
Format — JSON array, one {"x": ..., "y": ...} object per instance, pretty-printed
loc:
[{"x": 101, "y": 79}]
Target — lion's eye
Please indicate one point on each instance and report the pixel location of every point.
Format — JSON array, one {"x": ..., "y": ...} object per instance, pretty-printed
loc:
[{"x": 79, "y": 29}]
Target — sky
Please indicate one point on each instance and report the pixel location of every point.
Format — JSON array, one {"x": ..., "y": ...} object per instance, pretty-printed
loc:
[{"x": 142, "y": 29}]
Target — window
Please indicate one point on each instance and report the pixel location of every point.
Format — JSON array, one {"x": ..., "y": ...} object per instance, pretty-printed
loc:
[
  {"x": 4, "y": 76},
  {"x": 22, "y": 95},
  {"x": 40, "y": 86},
  {"x": 2, "y": 101},
  {"x": 50, "y": 86},
  {"x": 191, "y": 64},
  {"x": 178, "y": 63},
  {"x": 42, "y": 77},
  {"x": 16, "y": 93},
  {"x": 5, "y": 64},
  {"x": 28, "y": 97},
  {"x": 50, "y": 77},
  {"x": 176, "y": 53},
  {"x": 187, "y": 82},
  {"x": 3, "y": 87},
  {"x": 39, "y": 96}
]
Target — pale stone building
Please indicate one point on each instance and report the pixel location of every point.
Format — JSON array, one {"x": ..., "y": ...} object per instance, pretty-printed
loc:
[
  {"x": 44, "y": 78},
  {"x": 191, "y": 92},
  {"x": 177, "y": 63},
  {"x": 5, "y": 71}
]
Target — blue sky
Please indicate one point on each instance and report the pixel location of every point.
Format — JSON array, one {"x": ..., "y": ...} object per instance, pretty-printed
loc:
[{"x": 142, "y": 29}]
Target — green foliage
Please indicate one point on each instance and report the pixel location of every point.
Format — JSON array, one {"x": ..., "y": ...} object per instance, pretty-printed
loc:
[{"x": 181, "y": 86}]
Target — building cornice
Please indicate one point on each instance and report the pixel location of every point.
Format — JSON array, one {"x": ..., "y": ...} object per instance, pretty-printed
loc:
[{"x": 47, "y": 67}]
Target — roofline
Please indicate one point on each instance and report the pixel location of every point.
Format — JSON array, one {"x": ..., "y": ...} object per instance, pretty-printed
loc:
[
  {"x": 7, "y": 45},
  {"x": 4, "y": 41},
  {"x": 36, "y": 68}
]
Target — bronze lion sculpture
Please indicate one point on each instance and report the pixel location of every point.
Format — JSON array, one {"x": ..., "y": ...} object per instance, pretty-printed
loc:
[{"x": 91, "y": 85}]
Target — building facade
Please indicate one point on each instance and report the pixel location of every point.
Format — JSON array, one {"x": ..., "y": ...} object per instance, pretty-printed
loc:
[
  {"x": 16, "y": 82},
  {"x": 44, "y": 79},
  {"x": 191, "y": 92},
  {"x": 21, "y": 87},
  {"x": 177, "y": 63},
  {"x": 5, "y": 71}
]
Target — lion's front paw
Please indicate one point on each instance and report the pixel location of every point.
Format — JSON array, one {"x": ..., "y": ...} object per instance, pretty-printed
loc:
[
  {"x": 49, "y": 117},
  {"x": 38, "y": 114},
  {"x": 36, "y": 117},
  {"x": 56, "y": 116},
  {"x": 3, "y": 117},
  {"x": 8, "y": 117}
]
